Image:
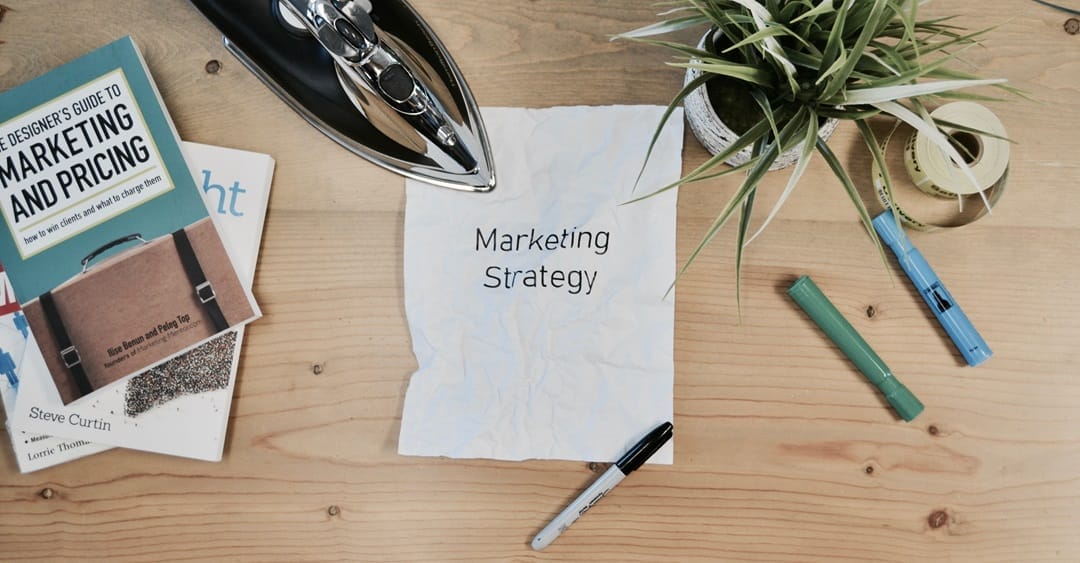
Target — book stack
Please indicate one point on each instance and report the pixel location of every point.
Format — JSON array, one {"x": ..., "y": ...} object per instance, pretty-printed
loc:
[{"x": 128, "y": 259}]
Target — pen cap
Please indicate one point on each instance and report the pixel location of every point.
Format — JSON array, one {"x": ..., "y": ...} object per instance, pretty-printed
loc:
[
  {"x": 903, "y": 401},
  {"x": 645, "y": 448},
  {"x": 806, "y": 293}
]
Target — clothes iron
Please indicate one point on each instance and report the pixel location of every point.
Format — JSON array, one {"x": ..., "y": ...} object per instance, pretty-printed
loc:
[{"x": 371, "y": 75}]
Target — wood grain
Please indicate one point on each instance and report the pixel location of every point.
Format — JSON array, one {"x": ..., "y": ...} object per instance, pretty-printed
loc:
[{"x": 783, "y": 452}]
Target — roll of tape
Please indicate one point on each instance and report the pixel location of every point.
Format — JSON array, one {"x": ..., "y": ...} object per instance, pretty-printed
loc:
[{"x": 933, "y": 172}]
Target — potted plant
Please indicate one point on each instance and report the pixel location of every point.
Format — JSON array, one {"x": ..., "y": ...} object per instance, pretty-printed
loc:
[{"x": 776, "y": 73}]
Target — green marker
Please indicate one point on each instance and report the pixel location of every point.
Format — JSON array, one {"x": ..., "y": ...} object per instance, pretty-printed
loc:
[{"x": 824, "y": 313}]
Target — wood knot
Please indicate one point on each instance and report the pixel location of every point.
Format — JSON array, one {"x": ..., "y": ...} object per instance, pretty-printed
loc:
[
  {"x": 870, "y": 311},
  {"x": 1072, "y": 26},
  {"x": 597, "y": 467},
  {"x": 333, "y": 510},
  {"x": 47, "y": 493},
  {"x": 937, "y": 519},
  {"x": 933, "y": 430},
  {"x": 213, "y": 66},
  {"x": 317, "y": 369},
  {"x": 869, "y": 470}
]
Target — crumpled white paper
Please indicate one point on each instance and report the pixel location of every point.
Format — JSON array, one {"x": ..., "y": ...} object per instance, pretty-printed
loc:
[{"x": 538, "y": 311}]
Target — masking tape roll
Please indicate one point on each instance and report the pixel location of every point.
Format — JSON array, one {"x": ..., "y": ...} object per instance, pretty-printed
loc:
[{"x": 933, "y": 172}]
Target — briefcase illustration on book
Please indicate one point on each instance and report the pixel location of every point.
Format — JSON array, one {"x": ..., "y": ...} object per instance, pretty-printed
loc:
[{"x": 137, "y": 307}]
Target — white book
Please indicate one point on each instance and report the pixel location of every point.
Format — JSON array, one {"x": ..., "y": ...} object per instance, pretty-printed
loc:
[
  {"x": 32, "y": 451},
  {"x": 178, "y": 408}
]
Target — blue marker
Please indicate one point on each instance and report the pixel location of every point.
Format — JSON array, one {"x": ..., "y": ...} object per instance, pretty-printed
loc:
[{"x": 940, "y": 301}]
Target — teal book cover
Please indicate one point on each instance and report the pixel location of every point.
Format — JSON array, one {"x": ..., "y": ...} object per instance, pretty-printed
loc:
[{"x": 106, "y": 241}]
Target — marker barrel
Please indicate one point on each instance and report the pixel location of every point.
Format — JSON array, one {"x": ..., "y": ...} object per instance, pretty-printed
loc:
[
  {"x": 807, "y": 294},
  {"x": 598, "y": 490},
  {"x": 948, "y": 312},
  {"x": 630, "y": 461}
]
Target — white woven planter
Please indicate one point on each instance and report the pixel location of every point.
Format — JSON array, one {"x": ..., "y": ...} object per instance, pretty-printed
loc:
[{"x": 715, "y": 136}]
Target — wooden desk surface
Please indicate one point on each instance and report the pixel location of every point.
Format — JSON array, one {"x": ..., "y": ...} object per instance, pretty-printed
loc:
[{"x": 783, "y": 452}]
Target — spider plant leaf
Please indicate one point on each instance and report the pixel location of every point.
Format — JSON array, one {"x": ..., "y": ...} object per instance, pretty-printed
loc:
[
  {"x": 764, "y": 156},
  {"x": 1059, "y": 7},
  {"x": 771, "y": 31},
  {"x": 917, "y": 50},
  {"x": 869, "y": 29},
  {"x": 810, "y": 61},
  {"x": 755, "y": 132},
  {"x": 876, "y": 150},
  {"x": 1003, "y": 87},
  {"x": 677, "y": 7},
  {"x": 809, "y": 140},
  {"x": 953, "y": 74},
  {"x": 896, "y": 59},
  {"x": 766, "y": 109},
  {"x": 700, "y": 173},
  {"x": 674, "y": 185},
  {"x": 788, "y": 11},
  {"x": 834, "y": 44},
  {"x": 855, "y": 112},
  {"x": 907, "y": 21},
  {"x": 938, "y": 21},
  {"x": 968, "y": 129},
  {"x": 878, "y": 155},
  {"x": 746, "y": 73},
  {"x": 682, "y": 49},
  {"x": 685, "y": 91},
  {"x": 744, "y": 222},
  {"x": 967, "y": 96},
  {"x": 841, "y": 59},
  {"x": 871, "y": 96},
  {"x": 762, "y": 19},
  {"x": 662, "y": 27},
  {"x": 749, "y": 163},
  {"x": 824, "y": 7},
  {"x": 753, "y": 177},
  {"x": 757, "y": 11},
  {"x": 881, "y": 62},
  {"x": 913, "y": 74},
  {"x": 853, "y": 193}
]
